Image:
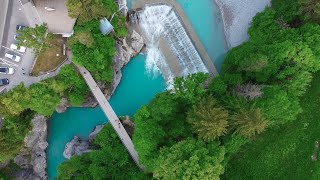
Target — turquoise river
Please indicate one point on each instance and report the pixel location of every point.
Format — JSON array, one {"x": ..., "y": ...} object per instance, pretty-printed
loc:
[{"x": 136, "y": 87}]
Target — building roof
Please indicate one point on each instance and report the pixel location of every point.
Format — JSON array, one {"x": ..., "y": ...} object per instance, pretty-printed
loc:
[
  {"x": 105, "y": 26},
  {"x": 55, "y": 14}
]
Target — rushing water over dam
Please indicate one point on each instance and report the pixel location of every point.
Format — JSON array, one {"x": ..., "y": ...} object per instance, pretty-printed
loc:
[{"x": 162, "y": 27}]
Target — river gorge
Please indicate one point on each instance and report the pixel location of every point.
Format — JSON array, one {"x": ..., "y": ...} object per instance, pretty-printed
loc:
[{"x": 141, "y": 81}]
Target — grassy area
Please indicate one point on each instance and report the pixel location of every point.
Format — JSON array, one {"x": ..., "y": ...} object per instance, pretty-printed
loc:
[
  {"x": 47, "y": 59},
  {"x": 284, "y": 153}
]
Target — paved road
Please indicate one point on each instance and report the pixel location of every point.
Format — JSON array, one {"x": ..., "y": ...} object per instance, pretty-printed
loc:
[
  {"x": 110, "y": 114},
  {"x": 16, "y": 15}
]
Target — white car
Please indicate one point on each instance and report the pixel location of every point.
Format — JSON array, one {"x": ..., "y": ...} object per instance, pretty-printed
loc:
[
  {"x": 6, "y": 70},
  {"x": 13, "y": 57},
  {"x": 15, "y": 48}
]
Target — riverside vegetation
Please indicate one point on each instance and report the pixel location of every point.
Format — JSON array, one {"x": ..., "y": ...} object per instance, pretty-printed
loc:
[
  {"x": 259, "y": 104},
  {"x": 20, "y": 103},
  {"x": 197, "y": 131}
]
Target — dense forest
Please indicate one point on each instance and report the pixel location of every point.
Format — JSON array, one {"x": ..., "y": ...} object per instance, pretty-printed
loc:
[
  {"x": 259, "y": 99},
  {"x": 90, "y": 49},
  {"x": 257, "y": 119}
]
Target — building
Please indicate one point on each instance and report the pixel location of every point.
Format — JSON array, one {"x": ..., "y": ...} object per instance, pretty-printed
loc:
[
  {"x": 54, "y": 13},
  {"x": 105, "y": 26}
]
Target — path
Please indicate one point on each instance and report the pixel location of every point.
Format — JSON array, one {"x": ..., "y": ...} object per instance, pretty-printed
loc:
[
  {"x": 110, "y": 114},
  {"x": 28, "y": 80},
  {"x": 187, "y": 26}
]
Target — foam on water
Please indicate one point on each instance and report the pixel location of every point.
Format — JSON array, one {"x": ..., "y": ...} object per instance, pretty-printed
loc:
[{"x": 161, "y": 21}]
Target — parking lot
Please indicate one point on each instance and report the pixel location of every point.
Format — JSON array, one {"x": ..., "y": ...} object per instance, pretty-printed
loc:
[{"x": 15, "y": 16}]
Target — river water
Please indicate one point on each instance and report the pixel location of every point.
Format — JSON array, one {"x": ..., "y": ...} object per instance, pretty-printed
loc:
[
  {"x": 137, "y": 86},
  {"x": 135, "y": 89}
]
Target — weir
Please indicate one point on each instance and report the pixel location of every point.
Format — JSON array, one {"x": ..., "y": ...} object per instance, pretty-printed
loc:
[{"x": 165, "y": 27}]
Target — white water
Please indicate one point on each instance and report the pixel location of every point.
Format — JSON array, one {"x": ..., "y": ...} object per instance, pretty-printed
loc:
[{"x": 160, "y": 21}]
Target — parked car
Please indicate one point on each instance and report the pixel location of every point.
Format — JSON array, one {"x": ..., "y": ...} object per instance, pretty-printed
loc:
[
  {"x": 13, "y": 57},
  {"x": 4, "y": 82},
  {"x": 22, "y": 49},
  {"x": 20, "y": 27},
  {"x": 17, "y": 35},
  {"x": 6, "y": 70}
]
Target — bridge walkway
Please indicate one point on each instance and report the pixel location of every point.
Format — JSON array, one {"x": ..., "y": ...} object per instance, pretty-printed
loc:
[{"x": 110, "y": 114}]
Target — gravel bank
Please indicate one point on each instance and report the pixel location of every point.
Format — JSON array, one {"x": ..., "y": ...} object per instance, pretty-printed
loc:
[{"x": 237, "y": 16}]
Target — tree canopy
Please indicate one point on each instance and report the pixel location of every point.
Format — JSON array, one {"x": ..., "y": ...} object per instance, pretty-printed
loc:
[
  {"x": 208, "y": 119},
  {"x": 33, "y": 38},
  {"x": 87, "y": 10},
  {"x": 93, "y": 50},
  {"x": 190, "y": 159},
  {"x": 43, "y": 97},
  {"x": 109, "y": 160}
]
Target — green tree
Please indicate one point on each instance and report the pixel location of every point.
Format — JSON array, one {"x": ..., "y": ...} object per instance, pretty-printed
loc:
[
  {"x": 277, "y": 107},
  {"x": 12, "y": 134},
  {"x": 97, "y": 58},
  {"x": 191, "y": 159},
  {"x": 75, "y": 91},
  {"x": 161, "y": 123},
  {"x": 15, "y": 101},
  {"x": 42, "y": 99},
  {"x": 190, "y": 88},
  {"x": 297, "y": 84},
  {"x": 119, "y": 25},
  {"x": 87, "y": 10},
  {"x": 109, "y": 160},
  {"x": 248, "y": 121},
  {"x": 33, "y": 38},
  {"x": 208, "y": 120}
]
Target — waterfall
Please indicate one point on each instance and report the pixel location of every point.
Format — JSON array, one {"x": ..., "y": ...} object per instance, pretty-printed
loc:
[{"x": 161, "y": 21}]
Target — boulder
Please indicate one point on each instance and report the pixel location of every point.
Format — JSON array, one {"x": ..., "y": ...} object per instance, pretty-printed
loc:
[
  {"x": 23, "y": 159},
  {"x": 32, "y": 158},
  {"x": 76, "y": 147},
  {"x": 62, "y": 107},
  {"x": 82, "y": 148},
  {"x": 39, "y": 166},
  {"x": 96, "y": 130},
  {"x": 123, "y": 5},
  {"x": 137, "y": 43},
  {"x": 69, "y": 148},
  {"x": 126, "y": 49},
  {"x": 24, "y": 174}
]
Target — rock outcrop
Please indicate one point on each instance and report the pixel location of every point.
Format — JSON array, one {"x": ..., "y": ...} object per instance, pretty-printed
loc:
[
  {"x": 32, "y": 158},
  {"x": 76, "y": 147},
  {"x": 126, "y": 49},
  {"x": 128, "y": 125},
  {"x": 95, "y": 132},
  {"x": 62, "y": 107},
  {"x": 123, "y": 5}
]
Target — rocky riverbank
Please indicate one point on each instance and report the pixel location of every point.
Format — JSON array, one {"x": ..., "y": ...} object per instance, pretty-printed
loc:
[
  {"x": 78, "y": 147},
  {"x": 126, "y": 48},
  {"x": 237, "y": 16},
  {"x": 32, "y": 158}
]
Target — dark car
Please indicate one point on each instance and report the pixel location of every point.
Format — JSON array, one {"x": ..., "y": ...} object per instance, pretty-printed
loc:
[
  {"x": 4, "y": 82},
  {"x": 18, "y": 27},
  {"x": 6, "y": 70}
]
